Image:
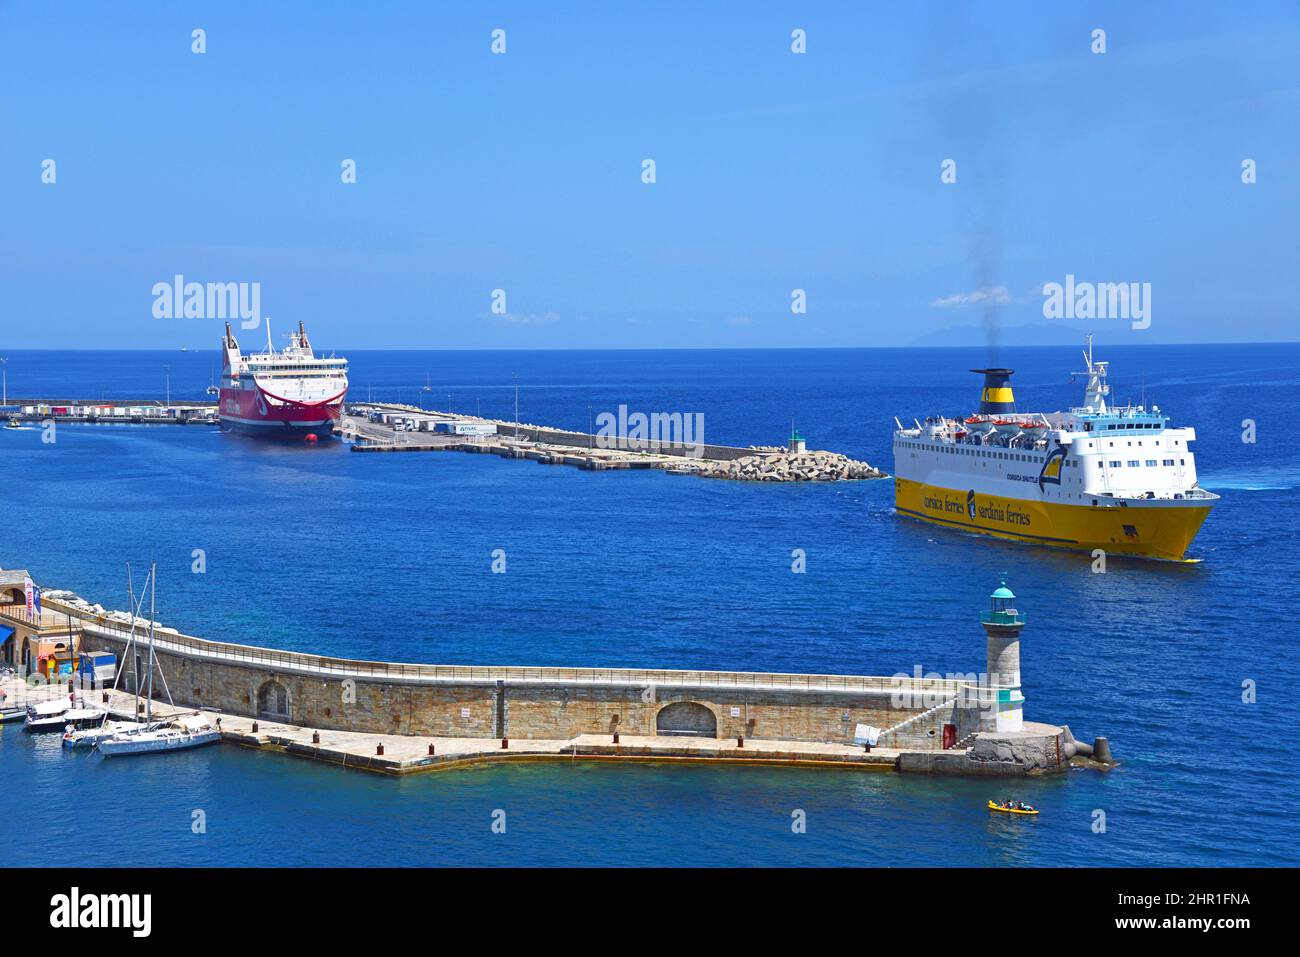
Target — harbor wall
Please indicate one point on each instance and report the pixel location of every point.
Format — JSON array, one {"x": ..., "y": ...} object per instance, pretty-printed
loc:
[
  {"x": 582, "y": 440},
  {"x": 538, "y": 703}
]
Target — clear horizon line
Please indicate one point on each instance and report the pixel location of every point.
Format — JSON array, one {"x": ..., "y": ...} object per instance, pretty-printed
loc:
[{"x": 1041, "y": 345}]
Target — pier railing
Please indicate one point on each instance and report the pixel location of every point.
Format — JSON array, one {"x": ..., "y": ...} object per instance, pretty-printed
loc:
[{"x": 171, "y": 641}]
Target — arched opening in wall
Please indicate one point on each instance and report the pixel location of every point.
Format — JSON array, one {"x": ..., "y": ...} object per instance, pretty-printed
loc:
[
  {"x": 273, "y": 701},
  {"x": 687, "y": 718}
]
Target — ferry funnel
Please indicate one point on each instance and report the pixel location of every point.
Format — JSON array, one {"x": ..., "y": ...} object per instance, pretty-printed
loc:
[{"x": 997, "y": 396}]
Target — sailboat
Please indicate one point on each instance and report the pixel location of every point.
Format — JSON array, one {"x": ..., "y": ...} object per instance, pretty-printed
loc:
[
  {"x": 175, "y": 734},
  {"x": 427, "y": 386},
  {"x": 178, "y": 734},
  {"x": 89, "y": 736}
]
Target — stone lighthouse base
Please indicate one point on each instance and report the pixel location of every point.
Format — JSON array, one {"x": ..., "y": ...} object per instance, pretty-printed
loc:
[{"x": 1035, "y": 749}]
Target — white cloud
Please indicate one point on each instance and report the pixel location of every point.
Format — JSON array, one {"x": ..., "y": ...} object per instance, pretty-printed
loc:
[{"x": 995, "y": 294}]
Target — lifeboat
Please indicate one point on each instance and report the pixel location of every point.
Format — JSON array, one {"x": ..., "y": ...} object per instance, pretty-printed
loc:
[{"x": 1007, "y": 426}]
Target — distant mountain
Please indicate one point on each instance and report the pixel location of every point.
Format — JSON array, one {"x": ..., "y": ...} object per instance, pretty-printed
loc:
[{"x": 1035, "y": 334}]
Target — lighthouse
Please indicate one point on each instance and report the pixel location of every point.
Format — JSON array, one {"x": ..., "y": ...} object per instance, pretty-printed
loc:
[{"x": 1003, "y": 623}]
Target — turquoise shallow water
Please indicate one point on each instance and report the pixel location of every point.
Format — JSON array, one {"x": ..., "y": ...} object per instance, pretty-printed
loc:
[{"x": 388, "y": 557}]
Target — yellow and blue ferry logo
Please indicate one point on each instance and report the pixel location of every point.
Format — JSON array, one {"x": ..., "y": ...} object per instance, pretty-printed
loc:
[{"x": 1050, "y": 474}]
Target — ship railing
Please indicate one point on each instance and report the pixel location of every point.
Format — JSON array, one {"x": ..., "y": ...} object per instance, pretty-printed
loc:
[{"x": 644, "y": 678}]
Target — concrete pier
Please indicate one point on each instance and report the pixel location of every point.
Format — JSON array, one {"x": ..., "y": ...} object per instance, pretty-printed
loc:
[{"x": 115, "y": 412}]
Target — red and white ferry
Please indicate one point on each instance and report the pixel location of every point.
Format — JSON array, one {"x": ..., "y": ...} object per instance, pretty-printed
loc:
[{"x": 291, "y": 393}]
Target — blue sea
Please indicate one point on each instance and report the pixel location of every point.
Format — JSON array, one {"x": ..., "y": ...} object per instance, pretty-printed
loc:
[{"x": 388, "y": 557}]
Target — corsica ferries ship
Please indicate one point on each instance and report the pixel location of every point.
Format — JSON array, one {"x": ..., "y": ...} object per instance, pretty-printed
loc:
[{"x": 1098, "y": 476}]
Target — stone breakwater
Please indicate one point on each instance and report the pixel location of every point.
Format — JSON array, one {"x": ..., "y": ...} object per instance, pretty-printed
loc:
[
  {"x": 780, "y": 466},
  {"x": 549, "y": 446},
  {"x": 353, "y": 712}
]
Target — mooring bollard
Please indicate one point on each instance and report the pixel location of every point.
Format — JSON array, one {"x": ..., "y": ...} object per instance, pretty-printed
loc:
[
  {"x": 740, "y": 742},
  {"x": 315, "y": 737},
  {"x": 505, "y": 742},
  {"x": 616, "y": 737},
  {"x": 379, "y": 749},
  {"x": 431, "y": 749},
  {"x": 105, "y": 697},
  {"x": 254, "y": 727}
]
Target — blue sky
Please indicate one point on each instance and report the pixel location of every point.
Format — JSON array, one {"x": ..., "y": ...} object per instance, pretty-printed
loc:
[{"x": 522, "y": 171}]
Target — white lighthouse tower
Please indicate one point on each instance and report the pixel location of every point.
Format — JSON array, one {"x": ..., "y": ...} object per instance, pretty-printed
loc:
[{"x": 1003, "y": 623}]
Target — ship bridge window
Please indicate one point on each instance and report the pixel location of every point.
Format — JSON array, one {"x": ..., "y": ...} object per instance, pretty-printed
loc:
[
  {"x": 1151, "y": 461},
  {"x": 1167, "y": 462},
  {"x": 1133, "y": 463},
  {"x": 1116, "y": 464}
]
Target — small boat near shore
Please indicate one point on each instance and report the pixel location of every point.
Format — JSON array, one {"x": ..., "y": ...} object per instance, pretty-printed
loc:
[{"x": 59, "y": 715}]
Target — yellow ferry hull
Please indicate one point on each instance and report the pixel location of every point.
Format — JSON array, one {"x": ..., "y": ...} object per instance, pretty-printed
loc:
[{"x": 1143, "y": 530}]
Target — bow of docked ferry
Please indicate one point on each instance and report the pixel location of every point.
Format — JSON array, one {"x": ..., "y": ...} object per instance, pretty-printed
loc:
[{"x": 290, "y": 393}]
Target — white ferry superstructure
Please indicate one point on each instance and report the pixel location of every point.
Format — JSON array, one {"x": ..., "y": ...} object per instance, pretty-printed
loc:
[{"x": 1116, "y": 478}]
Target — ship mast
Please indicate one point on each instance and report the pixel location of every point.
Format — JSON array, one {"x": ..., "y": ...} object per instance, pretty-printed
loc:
[{"x": 1094, "y": 397}]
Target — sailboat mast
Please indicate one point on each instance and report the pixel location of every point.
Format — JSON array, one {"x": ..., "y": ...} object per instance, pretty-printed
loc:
[
  {"x": 130, "y": 645},
  {"x": 153, "y": 607}
]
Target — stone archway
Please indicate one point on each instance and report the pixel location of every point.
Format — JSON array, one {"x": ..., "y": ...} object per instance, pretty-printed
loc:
[
  {"x": 687, "y": 719},
  {"x": 273, "y": 701}
]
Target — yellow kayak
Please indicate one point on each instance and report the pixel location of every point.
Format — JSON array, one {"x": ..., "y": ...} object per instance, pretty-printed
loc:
[{"x": 1008, "y": 810}]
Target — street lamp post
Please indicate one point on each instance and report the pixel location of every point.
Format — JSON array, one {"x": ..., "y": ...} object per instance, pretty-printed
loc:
[
  {"x": 4, "y": 375},
  {"x": 168, "y": 371}
]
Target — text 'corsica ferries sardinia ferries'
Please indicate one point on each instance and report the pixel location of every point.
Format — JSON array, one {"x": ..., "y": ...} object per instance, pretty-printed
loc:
[
  {"x": 1098, "y": 476},
  {"x": 290, "y": 393}
]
